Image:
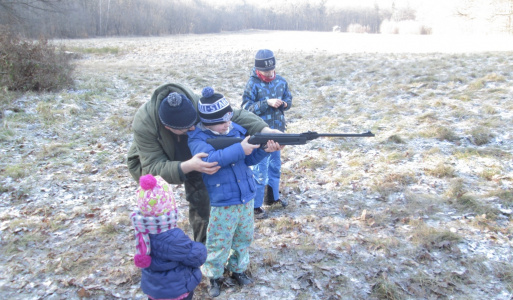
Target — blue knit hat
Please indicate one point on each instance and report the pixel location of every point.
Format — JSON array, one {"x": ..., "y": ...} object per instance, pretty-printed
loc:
[
  {"x": 213, "y": 108},
  {"x": 264, "y": 60},
  {"x": 176, "y": 111}
]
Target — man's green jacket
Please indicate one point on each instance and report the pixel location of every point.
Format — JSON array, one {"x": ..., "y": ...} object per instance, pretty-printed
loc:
[{"x": 153, "y": 148}]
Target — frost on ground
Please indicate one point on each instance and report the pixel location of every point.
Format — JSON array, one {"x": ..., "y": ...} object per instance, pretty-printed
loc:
[{"x": 420, "y": 211}]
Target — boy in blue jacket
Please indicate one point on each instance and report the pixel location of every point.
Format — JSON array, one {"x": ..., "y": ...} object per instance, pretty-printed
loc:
[
  {"x": 267, "y": 95},
  {"x": 231, "y": 190},
  {"x": 169, "y": 259}
]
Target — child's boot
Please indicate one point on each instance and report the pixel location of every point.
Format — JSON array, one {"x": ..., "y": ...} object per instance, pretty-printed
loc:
[
  {"x": 242, "y": 278},
  {"x": 269, "y": 198},
  {"x": 215, "y": 287},
  {"x": 268, "y": 195}
]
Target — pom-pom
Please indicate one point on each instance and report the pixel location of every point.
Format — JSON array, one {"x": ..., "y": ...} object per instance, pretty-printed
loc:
[
  {"x": 142, "y": 261},
  {"x": 147, "y": 182},
  {"x": 207, "y": 92},
  {"x": 174, "y": 99}
]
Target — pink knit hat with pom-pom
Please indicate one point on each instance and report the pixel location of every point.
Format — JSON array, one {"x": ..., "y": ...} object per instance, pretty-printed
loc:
[
  {"x": 154, "y": 197},
  {"x": 156, "y": 213}
]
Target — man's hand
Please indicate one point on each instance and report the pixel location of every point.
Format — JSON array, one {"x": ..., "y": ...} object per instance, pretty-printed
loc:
[
  {"x": 197, "y": 164},
  {"x": 247, "y": 147},
  {"x": 270, "y": 130}
]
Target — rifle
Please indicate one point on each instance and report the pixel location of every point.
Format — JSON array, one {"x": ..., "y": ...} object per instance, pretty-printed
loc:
[{"x": 281, "y": 138}]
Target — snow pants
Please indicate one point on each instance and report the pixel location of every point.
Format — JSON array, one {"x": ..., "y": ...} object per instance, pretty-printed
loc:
[{"x": 267, "y": 172}]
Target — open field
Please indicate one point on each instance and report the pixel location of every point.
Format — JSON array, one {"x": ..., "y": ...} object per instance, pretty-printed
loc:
[{"x": 421, "y": 211}]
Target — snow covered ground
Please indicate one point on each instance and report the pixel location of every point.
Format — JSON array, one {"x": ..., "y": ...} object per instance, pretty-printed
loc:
[{"x": 420, "y": 211}]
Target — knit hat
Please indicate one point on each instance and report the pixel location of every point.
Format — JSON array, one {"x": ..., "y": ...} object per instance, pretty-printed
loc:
[
  {"x": 154, "y": 197},
  {"x": 213, "y": 107},
  {"x": 155, "y": 213},
  {"x": 264, "y": 60},
  {"x": 176, "y": 111}
]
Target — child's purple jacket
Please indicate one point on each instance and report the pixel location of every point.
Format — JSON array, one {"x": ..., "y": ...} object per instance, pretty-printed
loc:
[{"x": 175, "y": 262}]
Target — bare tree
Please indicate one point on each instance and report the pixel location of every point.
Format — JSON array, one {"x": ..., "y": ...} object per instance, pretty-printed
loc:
[
  {"x": 496, "y": 14},
  {"x": 12, "y": 7}
]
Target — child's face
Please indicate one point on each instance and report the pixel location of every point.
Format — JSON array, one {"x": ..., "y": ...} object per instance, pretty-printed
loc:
[
  {"x": 267, "y": 73},
  {"x": 220, "y": 128}
]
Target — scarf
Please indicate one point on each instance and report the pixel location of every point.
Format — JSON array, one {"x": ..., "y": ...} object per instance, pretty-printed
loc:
[
  {"x": 149, "y": 225},
  {"x": 265, "y": 78}
]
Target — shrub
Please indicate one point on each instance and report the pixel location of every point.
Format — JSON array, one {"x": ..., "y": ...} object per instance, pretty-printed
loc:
[
  {"x": 358, "y": 28},
  {"x": 403, "y": 27},
  {"x": 32, "y": 65}
]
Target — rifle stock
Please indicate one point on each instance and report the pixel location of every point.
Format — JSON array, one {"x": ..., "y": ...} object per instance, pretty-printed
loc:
[{"x": 281, "y": 138}]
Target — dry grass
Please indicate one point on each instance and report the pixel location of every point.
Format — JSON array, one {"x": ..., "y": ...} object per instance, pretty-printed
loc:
[{"x": 408, "y": 214}]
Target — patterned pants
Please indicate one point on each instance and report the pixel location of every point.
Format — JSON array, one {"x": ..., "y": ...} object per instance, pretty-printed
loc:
[{"x": 229, "y": 235}]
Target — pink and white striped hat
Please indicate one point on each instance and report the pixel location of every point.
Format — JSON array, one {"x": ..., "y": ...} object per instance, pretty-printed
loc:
[{"x": 156, "y": 212}]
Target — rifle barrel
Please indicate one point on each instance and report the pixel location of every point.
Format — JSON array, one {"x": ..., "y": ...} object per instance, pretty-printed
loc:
[{"x": 368, "y": 133}]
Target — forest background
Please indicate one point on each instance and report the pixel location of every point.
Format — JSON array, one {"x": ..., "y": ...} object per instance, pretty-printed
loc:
[{"x": 97, "y": 18}]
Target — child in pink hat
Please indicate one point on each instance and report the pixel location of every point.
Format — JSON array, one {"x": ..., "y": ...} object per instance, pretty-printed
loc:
[{"x": 169, "y": 259}]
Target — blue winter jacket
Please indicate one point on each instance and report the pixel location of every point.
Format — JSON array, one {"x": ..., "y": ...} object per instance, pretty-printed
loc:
[
  {"x": 256, "y": 94},
  {"x": 175, "y": 262},
  {"x": 233, "y": 183}
]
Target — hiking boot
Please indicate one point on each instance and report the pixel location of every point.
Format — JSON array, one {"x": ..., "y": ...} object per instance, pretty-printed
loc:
[
  {"x": 268, "y": 196},
  {"x": 242, "y": 278},
  {"x": 260, "y": 213},
  {"x": 215, "y": 287},
  {"x": 284, "y": 202}
]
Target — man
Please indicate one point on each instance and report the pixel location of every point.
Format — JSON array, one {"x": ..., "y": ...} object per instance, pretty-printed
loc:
[{"x": 160, "y": 147}]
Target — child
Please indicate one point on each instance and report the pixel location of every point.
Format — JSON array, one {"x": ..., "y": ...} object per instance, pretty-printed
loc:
[
  {"x": 267, "y": 95},
  {"x": 170, "y": 260},
  {"x": 231, "y": 190}
]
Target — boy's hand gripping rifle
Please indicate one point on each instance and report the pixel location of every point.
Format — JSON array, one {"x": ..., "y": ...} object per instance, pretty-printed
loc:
[{"x": 281, "y": 138}]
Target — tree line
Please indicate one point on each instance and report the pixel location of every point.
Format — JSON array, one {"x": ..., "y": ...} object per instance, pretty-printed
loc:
[
  {"x": 95, "y": 18},
  {"x": 98, "y": 18}
]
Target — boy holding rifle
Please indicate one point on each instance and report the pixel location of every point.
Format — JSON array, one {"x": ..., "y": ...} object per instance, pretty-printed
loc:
[{"x": 231, "y": 189}]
